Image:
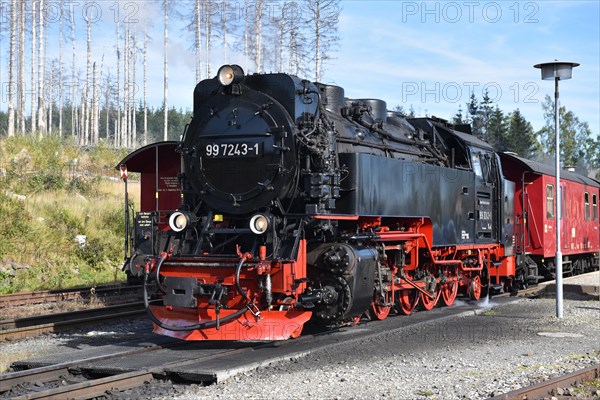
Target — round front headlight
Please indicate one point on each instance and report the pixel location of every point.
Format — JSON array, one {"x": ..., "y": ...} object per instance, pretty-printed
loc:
[
  {"x": 259, "y": 224},
  {"x": 230, "y": 74},
  {"x": 178, "y": 221}
]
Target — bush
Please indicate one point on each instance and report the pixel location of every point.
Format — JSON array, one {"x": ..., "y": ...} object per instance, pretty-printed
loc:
[
  {"x": 46, "y": 180},
  {"x": 84, "y": 186},
  {"x": 15, "y": 220},
  {"x": 92, "y": 252},
  {"x": 63, "y": 199}
]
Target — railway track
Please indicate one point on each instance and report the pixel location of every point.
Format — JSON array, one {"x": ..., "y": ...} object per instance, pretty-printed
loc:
[
  {"x": 61, "y": 295},
  {"x": 57, "y": 381},
  {"x": 18, "y": 328},
  {"x": 552, "y": 387},
  {"x": 67, "y": 380},
  {"x": 178, "y": 361}
]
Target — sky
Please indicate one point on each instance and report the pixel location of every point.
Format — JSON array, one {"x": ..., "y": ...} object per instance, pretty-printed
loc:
[{"x": 431, "y": 55}]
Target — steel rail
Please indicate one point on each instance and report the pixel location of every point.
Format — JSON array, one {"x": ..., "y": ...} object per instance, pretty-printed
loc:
[
  {"x": 54, "y": 372},
  {"x": 31, "y": 326},
  {"x": 98, "y": 387},
  {"x": 545, "y": 389},
  {"x": 93, "y": 388},
  {"x": 54, "y": 296}
]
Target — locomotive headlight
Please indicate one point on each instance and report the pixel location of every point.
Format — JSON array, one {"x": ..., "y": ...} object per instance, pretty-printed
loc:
[
  {"x": 259, "y": 224},
  {"x": 178, "y": 221},
  {"x": 230, "y": 74}
]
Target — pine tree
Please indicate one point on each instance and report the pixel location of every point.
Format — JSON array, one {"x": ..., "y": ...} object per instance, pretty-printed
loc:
[
  {"x": 458, "y": 119},
  {"x": 474, "y": 116},
  {"x": 520, "y": 137},
  {"x": 496, "y": 129},
  {"x": 486, "y": 110}
]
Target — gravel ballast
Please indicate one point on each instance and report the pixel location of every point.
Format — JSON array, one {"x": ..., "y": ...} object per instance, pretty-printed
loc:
[{"x": 471, "y": 357}]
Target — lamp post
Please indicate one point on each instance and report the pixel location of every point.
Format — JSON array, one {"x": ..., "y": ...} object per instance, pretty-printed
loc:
[{"x": 557, "y": 70}]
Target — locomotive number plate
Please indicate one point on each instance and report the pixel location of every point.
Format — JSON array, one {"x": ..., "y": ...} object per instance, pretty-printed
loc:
[{"x": 236, "y": 149}]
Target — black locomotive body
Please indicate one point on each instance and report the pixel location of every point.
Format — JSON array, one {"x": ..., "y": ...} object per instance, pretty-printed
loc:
[{"x": 297, "y": 202}]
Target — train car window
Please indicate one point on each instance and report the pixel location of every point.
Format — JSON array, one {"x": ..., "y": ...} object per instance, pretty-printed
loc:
[
  {"x": 550, "y": 201},
  {"x": 586, "y": 202},
  {"x": 595, "y": 206},
  {"x": 563, "y": 203},
  {"x": 476, "y": 164}
]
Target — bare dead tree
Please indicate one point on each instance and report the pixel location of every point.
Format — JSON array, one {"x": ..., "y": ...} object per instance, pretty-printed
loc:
[
  {"x": 134, "y": 89},
  {"x": 60, "y": 75},
  {"x": 145, "y": 83},
  {"x": 323, "y": 18},
  {"x": 41, "y": 71},
  {"x": 207, "y": 33},
  {"x": 166, "y": 73},
  {"x": 258, "y": 35},
  {"x": 224, "y": 29},
  {"x": 11, "y": 69},
  {"x": 51, "y": 99},
  {"x": 95, "y": 133},
  {"x": 125, "y": 121},
  {"x": 85, "y": 135},
  {"x": 107, "y": 92},
  {"x": 197, "y": 40},
  {"x": 246, "y": 35},
  {"x": 33, "y": 67},
  {"x": 74, "y": 116},
  {"x": 117, "y": 142},
  {"x": 21, "y": 73}
]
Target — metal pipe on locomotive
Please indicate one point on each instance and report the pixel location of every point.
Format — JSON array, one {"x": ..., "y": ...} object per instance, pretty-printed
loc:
[{"x": 285, "y": 201}]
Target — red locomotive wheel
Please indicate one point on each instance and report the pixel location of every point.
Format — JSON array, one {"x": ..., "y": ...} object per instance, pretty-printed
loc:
[
  {"x": 475, "y": 288},
  {"x": 427, "y": 302},
  {"x": 407, "y": 300},
  {"x": 380, "y": 312},
  {"x": 449, "y": 292}
]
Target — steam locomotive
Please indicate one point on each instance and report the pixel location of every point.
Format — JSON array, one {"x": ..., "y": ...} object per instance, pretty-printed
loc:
[{"x": 286, "y": 202}]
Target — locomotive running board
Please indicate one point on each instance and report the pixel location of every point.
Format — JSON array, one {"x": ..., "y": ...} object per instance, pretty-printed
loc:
[{"x": 271, "y": 325}]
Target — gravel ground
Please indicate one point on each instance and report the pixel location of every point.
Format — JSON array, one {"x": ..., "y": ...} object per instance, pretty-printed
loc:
[{"x": 471, "y": 357}]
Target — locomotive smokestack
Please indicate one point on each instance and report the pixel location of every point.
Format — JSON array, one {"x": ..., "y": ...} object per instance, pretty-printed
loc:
[
  {"x": 332, "y": 97},
  {"x": 378, "y": 108}
]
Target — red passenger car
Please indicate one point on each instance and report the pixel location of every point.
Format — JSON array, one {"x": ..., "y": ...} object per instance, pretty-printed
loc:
[{"x": 535, "y": 226}]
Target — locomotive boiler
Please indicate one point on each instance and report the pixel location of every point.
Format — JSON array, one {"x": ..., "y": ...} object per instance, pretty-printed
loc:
[{"x": 285, "y": 201}]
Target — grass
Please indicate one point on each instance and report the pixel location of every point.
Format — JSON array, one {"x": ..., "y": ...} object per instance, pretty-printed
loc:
[{"x": 47, "y": 200}]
